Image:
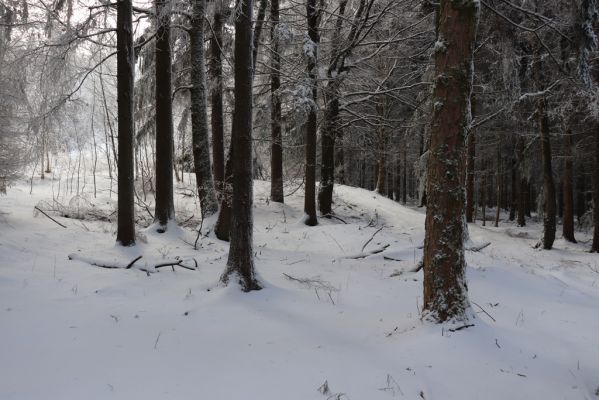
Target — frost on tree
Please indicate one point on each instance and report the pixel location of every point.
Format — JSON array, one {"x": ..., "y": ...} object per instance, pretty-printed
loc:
[{"x": 445, "y": 289}]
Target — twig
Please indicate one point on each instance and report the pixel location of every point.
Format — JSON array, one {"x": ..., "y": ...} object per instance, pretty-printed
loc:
[
  {"x": 334, "y": 216},
  {"x": 372, "y": 237},
  {"x": 391, "y": 258},
  {"x": 42, "y": 211},
  {"x": 157, "y": 339},
  {"x": 483, "y": 310},
  {"x": 459, "y": 328},
  {"x": 478, "y": 248}
]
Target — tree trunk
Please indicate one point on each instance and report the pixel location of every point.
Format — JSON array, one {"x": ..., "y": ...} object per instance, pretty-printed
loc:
[
  {"x": 382, "y": 165},
  {"x": 445, "y": 288},
  {"x": 595, "y": 246},
  {"x": 216, "y": 99},
  {"x": 165, "y": 207},
  {"x": 199, "y": 112},
  {"x": 276, "y": 155},
  {"x": 470, "y": 177},
  {"x": 310, "y": 149},
  {"x": 568, "y": 190},
  {"x": 327, "y": 169},
  {"x": 404, "y": 188},
  {"x": 125, "y": 70},
  {"x": 240, "y": 263},
  {"x": 222, "y": 228},
  {"x": 549, "y": 210},
  {"x": 258, "y": 31}
]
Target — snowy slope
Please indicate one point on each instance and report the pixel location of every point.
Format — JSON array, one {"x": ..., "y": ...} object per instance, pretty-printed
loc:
[{"x": 74, "y": 331}]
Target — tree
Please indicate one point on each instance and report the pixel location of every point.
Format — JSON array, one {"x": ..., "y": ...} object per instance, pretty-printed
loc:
[
  {"x": 199, "y": 113},
  {"x": 276, "y": 156},
  {"x": 445, "y": 288},
  {"x": 311, "y": 54},
  {"x": 125, "y": 78},
  {"x": 165, "y": 206},
  {"x": 240, "y": 264}
]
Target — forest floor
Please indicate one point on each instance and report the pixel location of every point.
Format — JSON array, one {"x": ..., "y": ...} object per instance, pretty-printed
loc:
[{"x": 327, "y": 325}]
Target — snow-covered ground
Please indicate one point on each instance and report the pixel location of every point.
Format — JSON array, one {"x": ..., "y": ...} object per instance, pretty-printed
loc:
[{"x": 69, "y": 330}]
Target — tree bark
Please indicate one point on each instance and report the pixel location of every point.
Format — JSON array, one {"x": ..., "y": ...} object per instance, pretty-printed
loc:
[
  {"x": 240, "y": 264},
  {"x": 125, "y": 70},
  {"x": 470, "y": 176},
  {"x": 310, "y": 139},
  {"x": 165, "y": 207},
  {"x": 549, "y": 212},
  {"x": 445, "y": 288},
  {"x": 568, "y": 190},
  {"x": 199, "y": 112},
  {"x": 276, "y": 155},
  {"x": 216, "y": 99},
  {"x": 595, "y": 246}
]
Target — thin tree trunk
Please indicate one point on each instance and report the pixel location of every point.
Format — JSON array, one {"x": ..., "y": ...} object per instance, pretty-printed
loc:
[
  {"x": 216, "y": 99},
  {"x": 568, "y": 190},
  {"x": 258, "y": 31},
  {"x": 240, "y": 263},
  {"x": 470, "y": 176},
  {"x": 125, "y": 70},
  {"x": 382, "y": 165},
  {"x": 595, "y": 246},
  {"x": 310, "y": 140},
  {"x": 445, "y": 289},
  {"x": 498, "y": 183},
  {"x": 404, "y": 190},
  {"x": 199, "y": 112},
  {"x": 276, "y": 155},
  {"x": 549, "y": 211},
  {"x": 165, "y": 207}
]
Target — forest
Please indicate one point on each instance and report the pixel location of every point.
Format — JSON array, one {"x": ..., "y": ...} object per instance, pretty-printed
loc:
[{"x": 301, "y": 199}]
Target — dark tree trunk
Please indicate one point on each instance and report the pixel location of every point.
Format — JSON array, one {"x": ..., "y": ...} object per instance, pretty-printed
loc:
[
  {"x": 470, "y": 177},
  {"x": 498, "y": 185},
  {"x": 216, "y": 100},
  {"x": 514, "y": 190},
  {"x": 240, "y": 264},
  {"x": 523, "y": 188},
  {"x": 327, "y": 169},
  {"x": 404, "y": 190},
  {"x": 125, "y": 77},
  {"x": 199, "y": 112},
  {"x": 483, "y": 192},
  {"x": 382, "y": 165},
  {"x": 276, "y": 155},
  {"x": 223, "y": 223},
  {"x": 310, "y": 149},
  {"x": 595, "y": 246},
  {"x": 580, "y": 196},
  {"x": 165, "y": 207},
  {"x": 258, "y": 30},
  {"x": 445, "y": 289},
  {"x": 549, "y": 210},
  {"x": 568, "y": 191}
]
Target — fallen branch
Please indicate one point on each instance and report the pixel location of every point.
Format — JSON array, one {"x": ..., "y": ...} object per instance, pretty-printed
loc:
[
  {"x": 178, "y": 263},
  {"x": 132, "y": 262},
  {"x": 478, "y": 248},
  {"x": 368, "y": 253},
  {"x": 459, "y": 328},
  {"x": 334, "y": 216},
  {"x": 372, "y": 237},
  {"x": 42, "y": 211},
  {"x": 313, "y": 283},
  {"x": 392, "y": 259}
]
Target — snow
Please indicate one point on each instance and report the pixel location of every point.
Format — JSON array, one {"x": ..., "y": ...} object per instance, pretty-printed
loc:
[{"x": 71, "y": 330}]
